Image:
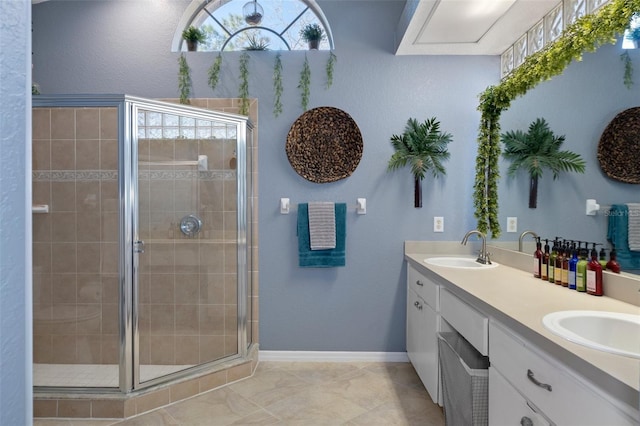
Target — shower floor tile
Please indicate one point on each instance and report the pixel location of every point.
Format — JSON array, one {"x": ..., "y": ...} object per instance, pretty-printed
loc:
[{"x": 93, "y": 375}]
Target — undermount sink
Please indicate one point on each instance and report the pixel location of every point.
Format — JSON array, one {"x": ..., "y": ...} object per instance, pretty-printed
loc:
[
  {"x": 611, "y": 332},
  {"x": 458, "y": 262}
]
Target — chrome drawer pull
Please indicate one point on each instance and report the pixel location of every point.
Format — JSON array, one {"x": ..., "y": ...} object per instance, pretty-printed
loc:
[
  {"x": 417, "y": 305},
  {"x": 536, "y": 382},
  {"x": 526, "y": 421},
  {"x": 420, "y": 283}
]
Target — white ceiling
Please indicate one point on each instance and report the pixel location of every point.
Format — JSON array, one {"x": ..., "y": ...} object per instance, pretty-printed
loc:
[{"x": 466, "y": 27}]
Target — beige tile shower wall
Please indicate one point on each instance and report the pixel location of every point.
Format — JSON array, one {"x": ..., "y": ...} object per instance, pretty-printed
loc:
[{"x": 75, "y": 157}]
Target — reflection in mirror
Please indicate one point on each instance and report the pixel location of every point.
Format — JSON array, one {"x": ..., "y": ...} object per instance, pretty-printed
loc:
[{"x": 579, "y": 104}]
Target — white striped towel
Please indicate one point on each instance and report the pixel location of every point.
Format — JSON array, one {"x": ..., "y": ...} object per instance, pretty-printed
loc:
[
  {"x": 322, "y": 225},
  {"x": 634, "y": 226}
]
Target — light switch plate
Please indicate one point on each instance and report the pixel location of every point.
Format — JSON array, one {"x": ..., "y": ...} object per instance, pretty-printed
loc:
[
  {"x": 512, "y": 224},
  {"x": 438, "y": 224}
]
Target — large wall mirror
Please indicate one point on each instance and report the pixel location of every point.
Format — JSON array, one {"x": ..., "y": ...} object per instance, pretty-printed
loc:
[{"x": 579, "y": 104}]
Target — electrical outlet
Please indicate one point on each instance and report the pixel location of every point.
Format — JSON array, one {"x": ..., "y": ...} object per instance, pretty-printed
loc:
[
  {"x": 438, "y": 224},
  {"x": 512, "y": 224}
]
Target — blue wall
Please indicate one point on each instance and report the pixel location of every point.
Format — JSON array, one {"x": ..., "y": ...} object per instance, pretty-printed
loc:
[
  {"x": 16, "y": 378},
  {"x": 124, "y": 47},
  {"x": 579, "y": 104}
]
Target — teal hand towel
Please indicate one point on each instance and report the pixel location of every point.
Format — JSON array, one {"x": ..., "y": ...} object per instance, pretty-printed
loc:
[
  {"x": 617, "y": 227},
  {"x": 618, "y": 235},
  {"x": 328, "y": 258}
]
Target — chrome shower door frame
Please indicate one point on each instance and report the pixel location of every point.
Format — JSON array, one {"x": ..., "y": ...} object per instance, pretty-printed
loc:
[
  {"x": 125, "y": 265},
  {"x": 241, "y": 123}
]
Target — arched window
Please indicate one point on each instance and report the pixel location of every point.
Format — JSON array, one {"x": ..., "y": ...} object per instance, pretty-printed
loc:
[{"x": 232, "y": 25}]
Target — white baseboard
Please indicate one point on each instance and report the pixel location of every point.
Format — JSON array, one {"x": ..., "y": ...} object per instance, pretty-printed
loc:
[{"x": 331, "y": 356}]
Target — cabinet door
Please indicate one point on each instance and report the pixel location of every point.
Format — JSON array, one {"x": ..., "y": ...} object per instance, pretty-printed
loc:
[
  {"x": 507, "y": 406},
  {"x": 422, "y": 342}
]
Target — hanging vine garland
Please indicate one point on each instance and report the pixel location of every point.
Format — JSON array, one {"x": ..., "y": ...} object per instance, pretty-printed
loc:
[
  {"x": 628, "y": 69},
  {"x": 214, "y": 72},
  {"x": 305, "y": 83},
  {"x": 584, "y": 35},
  {"x": 487, "y": 171},
  {"x": 331, "y": 62},
  {"x": 244, "y": 84},
  {"x": 277, "y": 86},
  {"x": 184, "y": 79}
]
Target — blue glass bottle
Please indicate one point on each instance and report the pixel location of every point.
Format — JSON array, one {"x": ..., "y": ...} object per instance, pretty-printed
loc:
[{"x": 573, "y": 267}]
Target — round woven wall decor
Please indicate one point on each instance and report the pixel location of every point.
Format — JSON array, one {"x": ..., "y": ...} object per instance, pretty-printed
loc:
[
  {"x": 324, "y": 145},
  {"x": 619, "y": 147}
]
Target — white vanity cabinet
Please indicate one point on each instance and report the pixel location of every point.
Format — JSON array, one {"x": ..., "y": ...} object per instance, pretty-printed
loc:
[
  {"x": 541, "y": 382},
  {"x": 533, "y": 379},
  {"x": 508, "y": 407},
  {"x": 422, "y": 328}
]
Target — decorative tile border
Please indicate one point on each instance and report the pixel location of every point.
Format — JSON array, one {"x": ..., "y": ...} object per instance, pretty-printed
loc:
[{"x": 74, "y": 175}]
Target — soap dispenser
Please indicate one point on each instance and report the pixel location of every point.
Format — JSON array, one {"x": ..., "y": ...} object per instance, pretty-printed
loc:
[
  {"x": 581, "y": 276},
  {"x": 544, "y": 270},
  {"x": 603, "y": 258},
  {"x": 572, "y": 266},
  {"x": 612, "y": 264},
  {"x": 565, "y": 265},
  {"x": 552, "y": 261},
  {"x": 594, "y": 274},
  {"x": 559, "y": 262},
  {"x": 537, "y": 259}
]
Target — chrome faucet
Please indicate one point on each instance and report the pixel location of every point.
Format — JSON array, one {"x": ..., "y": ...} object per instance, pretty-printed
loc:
[
  {"x": 483, "y": 256},
  {"x": 524, "y": 234}
]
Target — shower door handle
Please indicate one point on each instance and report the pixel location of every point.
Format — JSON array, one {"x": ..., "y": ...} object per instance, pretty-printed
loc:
[{"x": 138, "y": 246}]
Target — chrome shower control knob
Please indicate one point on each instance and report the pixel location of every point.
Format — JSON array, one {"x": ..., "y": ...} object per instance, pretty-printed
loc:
[
  {"x": 190, "y": 225},
  {"x": 138, "y": 246}
]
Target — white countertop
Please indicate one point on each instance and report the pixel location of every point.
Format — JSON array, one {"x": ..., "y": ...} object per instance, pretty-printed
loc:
[{"x": 518, "y": 300}]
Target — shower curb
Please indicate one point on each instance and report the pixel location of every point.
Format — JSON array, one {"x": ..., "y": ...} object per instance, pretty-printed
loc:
[{"x": 113, "y": 405}]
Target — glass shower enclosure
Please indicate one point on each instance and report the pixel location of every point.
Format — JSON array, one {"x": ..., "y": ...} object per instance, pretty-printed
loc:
[{"x": 142, "y": 241}]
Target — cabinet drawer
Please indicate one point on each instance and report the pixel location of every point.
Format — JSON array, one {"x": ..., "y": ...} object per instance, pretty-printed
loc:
[
  {"x": 466, "y": 320},
  {"x": 508, "y": 407},
  {"x": 564, "y": 398},
  {"x": 424, "y": 287}
]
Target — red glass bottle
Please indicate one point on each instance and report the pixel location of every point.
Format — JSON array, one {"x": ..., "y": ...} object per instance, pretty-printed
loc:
[{"x": 594, "y": 275}]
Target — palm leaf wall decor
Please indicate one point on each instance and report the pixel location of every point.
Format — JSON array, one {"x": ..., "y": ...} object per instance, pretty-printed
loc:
[
  {"x": 536, "y": 150},
  {"x": 422, "y": 147}
]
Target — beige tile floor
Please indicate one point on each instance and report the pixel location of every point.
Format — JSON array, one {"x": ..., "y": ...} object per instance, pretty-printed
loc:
[{"x": 300, "y": 393}]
